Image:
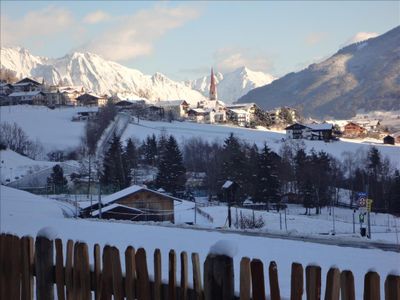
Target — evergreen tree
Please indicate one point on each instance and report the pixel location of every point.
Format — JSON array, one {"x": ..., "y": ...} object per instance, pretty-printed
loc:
[
  {"x": 394, "y": 194},
  {"x": 233, "y": 161},
  {"x": 149, "y": 150},
  {"x": 130, "y": 157},
  {"x": 57, "y": 180},
  {"x": 308, "y": 195},
  {"x": 115, "y": 173},
  {"x": 251, "y": 177},
  {"x": 269, "y": 186},
  {"x": 171, "y": 172}
]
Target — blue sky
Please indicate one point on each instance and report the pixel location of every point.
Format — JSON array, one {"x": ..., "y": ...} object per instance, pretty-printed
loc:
[{"x": 184, "y": 39}]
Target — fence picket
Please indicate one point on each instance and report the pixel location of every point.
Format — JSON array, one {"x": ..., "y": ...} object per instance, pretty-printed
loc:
[
  {"x": 97, "y": 271},
  {"x": 60, "y": 276},
  {"x": 44, "y": 254},
  {"x": 172, "y": 275},
  {"x": 130, "y": 273},
  {"x": 332, "y": 290},
  {"x": 106, "y": 276},
  {"x": 6, "y": 267},
  {"x": 347, "y": 290},
  {"x": 184, "y": 276},
  {"x": 296, "y": 282},
  {"x": 198, "y": 293},
  {"x": 86, "y": 293},
  {"x": 143, "y": 284},
  {"x": 371, "y": 286},
  {"x": 76, "y": 274},
  {"x": 69, "y": 271},
  {"x": 3, "y": 243},
  {"x": 27, "y": 268},
  {"x": 313, "y": 282},
  {"x": 245, "y": 279},
  {"x": 273, "y": 281},
  {"x": 15, "y": 272},
  {"x": 218, "y": 277},
  {"x": 257, "y": 279},
  {"x": 117, "y": 274},
  {"x": 392, "y": 287}
]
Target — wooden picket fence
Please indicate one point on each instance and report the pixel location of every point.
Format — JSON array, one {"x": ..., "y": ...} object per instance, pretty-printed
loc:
[{"x": 24, "y": 263}]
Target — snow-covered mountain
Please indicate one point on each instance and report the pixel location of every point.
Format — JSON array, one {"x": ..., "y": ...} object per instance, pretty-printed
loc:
[
  {"x": 231, "y": 86},
  {"x": 364, "y": 76},
  {"x": 96, "y": 74}
]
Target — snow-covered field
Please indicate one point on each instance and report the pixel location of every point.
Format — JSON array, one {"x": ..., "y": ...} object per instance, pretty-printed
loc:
[
  {"x": 52, "y": 127},
  {"x": 186, "y": 130},
  {"x": 23, "y": 213}
]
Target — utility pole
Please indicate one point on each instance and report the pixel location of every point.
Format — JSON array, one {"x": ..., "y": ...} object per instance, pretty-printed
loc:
[{"x": 195, "y": 211}]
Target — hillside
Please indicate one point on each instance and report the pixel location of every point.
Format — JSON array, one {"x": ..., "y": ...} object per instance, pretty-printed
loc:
[
  {"x": 96, "y": 74},
  {"x": 360, "y": 77},
  {"x": 231, "y": 86}
]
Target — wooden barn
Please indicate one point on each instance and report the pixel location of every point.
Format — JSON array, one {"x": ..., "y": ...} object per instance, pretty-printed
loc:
[
  {"x": 389, "y": 140},
  {"x": 134, "y": 203},
  {"x": 352, "y": 129}
]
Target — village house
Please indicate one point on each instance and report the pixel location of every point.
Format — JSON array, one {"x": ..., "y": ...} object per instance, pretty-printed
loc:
[
  {"x": 6, "y": 89},
  {"x": 178, "y": 108},
  {"x": 26, "y": 85},
  {"x": 71, "y": 93},
  {"x": 198, "y": 115},
  {"x": 243, "y": 114},
  {"x": 310, "y": 131},
  {"x": 134, "y": 203},
  {"x": 33, "y": 97},
  {"x": 88, "y": 99},
  {"x": 216, "y": 108},
  {"x": 353, "y": 129}
]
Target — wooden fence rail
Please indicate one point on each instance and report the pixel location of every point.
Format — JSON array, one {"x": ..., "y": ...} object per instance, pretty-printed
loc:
[{"x": 25, "y": 263}]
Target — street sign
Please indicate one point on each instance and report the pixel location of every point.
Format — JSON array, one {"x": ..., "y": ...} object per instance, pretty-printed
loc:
[
  {"x": 369, "y": 204},
  {"x": 362, "y": 199},
  {"x": 361, "y": 218}
]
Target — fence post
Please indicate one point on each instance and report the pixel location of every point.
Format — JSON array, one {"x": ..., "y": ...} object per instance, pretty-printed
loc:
[
  {"x": 245, "y": 278},
  {"x": 44, "y": 253},
  {"x": 347, "y": 285},
  {"x": 76, "y": 273},
  {"x": 3, "y": 261},
  {"x": 296, "y": 282},
  {"x": 273, "y": 281},
  {"x": 60, "y": 280},
  {"x": 27, "y": 268},
  {"x": 332, "y": 290},
  {"x": 196, "y": 277},
  {"x": 85, "y": 272},
  {"x": 392, "y": 287},
  {"x": 371, "y": 286},
  {"x": 218, "y": 277},
  {"x": 14, "y": 273},
  {"x": 130, "y": 272},
  {"x": 313, "y": 282},
  {"x": 172, "y": 275},
  {"x": 184, "y": 276},
  {"x": 143, "y": 284},
  {"x": 257, "y": 279},
  {"x": 106, "y": 276}
]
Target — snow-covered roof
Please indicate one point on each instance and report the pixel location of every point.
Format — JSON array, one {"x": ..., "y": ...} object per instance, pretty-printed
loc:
[
  {"x": 323, "y": 126},
  {"x": 19, "y": 94},
  {"x": 227, "y": 184},
  {"x": 242, "y": 105},
  {"x": 170, "y": 103},
  {"x": 239, "y": 111},
  {"x": 125, "y": 192},
  {"x": 112, "y": 206}
]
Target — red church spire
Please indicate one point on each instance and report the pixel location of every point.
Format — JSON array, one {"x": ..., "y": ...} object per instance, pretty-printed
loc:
[{"x": 213, "y": 87}]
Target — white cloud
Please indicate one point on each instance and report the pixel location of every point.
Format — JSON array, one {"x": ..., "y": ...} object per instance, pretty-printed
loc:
[
  {"x": 41, "y": 24},
  {"x": 315, "y": 37},
  {"x": 96, "y": 17},
  {"x": 229, "y": 59},
  {"x": 134, "y": 35},
  {"x": 360, "y": 36}
]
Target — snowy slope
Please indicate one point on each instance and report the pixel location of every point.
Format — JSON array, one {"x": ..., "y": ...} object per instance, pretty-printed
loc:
[
  {"x": 232, "y": 86},
  {"x": 186, "y": 130},
  {"x": 25, "y": 214},
  {"x": 96, "y": 74}
]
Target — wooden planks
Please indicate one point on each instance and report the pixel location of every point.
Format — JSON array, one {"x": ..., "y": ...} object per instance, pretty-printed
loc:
[
  {"x": 273, "y": 281},
  {"x": 44, "y": 253},
  {"x": 257, "y": 279},
  {"x": 172, "y": 275},
  {"x": 296, "y": 282},
  {"x": 218, "y": 277},
  {"x": 371, "y": 286},
  {"x": 198, "y": 293},
  {"x": 27, "y": 253},
  {"x": 130, "y": 271},
  {"x": 347, "y": 290},
  {"x": 245, "y": 279},
  {"x": 332, "y": 290},
  {"x": 313, "y": 282},
  {"x": 184, "y": 276},
  {"x": 143, "y": 284},
  {"x": 60, "y": 275}
]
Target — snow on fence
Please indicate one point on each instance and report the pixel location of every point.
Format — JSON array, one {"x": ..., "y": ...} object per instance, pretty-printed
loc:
[{"x": 24, "y": 263}]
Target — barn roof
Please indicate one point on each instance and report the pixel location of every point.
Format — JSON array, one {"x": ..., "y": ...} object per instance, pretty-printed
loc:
[
  {"x": 323, "y": 126},
  {"x": 125, "y": 192},
  {"x": 113, "y": 206}
]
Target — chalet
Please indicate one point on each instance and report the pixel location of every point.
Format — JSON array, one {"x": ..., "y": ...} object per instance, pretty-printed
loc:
[
  {"x": 134, "y": 203},
  {"x": 33, "y": 97},
  {"x": 26, "y": 85},
  {"x": 216, "y": 108},
  {"x": 54, "y": 98},
  {"x": 352, "y": 129},
  {"x": 389, "y": 140},
  {"x": 310, "y": 131},
  {"x": 6, "y": 89},
  {"x": 297, "y": 131},
  {"x": 244, "y": 113},
  {"x": 178, "y": 108},
  {"x": 154, "y": 112},
  {"x": 70, "y": 93},
  {"x": 199, "y": 115},
  {"x": 88, "y": 99}
]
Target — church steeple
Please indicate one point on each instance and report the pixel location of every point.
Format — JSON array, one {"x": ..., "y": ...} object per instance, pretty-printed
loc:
[{"x": 213, "y": 87}]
